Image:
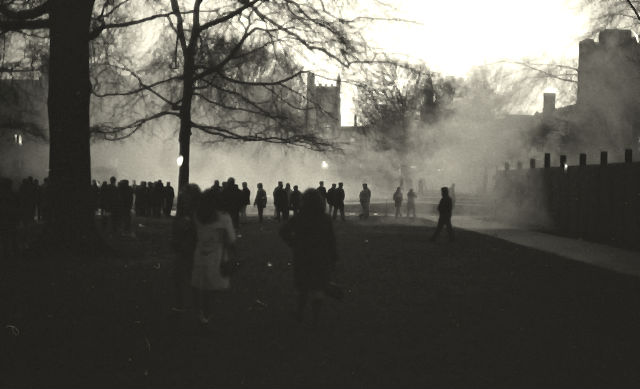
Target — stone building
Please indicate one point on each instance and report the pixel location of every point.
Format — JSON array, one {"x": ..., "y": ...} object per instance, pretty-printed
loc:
[{"x": 323, "y": 107}]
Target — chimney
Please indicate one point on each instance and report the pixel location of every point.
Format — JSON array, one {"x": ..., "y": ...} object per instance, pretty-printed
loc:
[{"x": 549, "y": 105}]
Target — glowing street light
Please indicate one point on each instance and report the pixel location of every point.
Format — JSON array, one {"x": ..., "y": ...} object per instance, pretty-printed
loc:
[
  {"x": 324, "y": 165},
  {"x": 179, "y": 160}
]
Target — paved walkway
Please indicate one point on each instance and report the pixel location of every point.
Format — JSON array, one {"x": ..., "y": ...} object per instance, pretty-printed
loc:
[{"x": 613, "y": 258}]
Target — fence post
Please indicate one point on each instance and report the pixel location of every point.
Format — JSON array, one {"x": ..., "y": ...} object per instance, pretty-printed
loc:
[
  {"x": 603, "y": 158},
  {"x": 547, "y": 160},
  {"x": 583, "y": 159}
]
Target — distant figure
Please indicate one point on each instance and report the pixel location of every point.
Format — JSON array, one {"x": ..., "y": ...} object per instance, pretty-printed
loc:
[
  {"x": 365, "y": 200},
  {"x": 95, "y": 198},
  {"x": 397, "y": 199},
  {"x": 183, "y": 241},
  {"x": 169, "y": 195},
  {"x": 411, "y": 203},
  {"x": 246, "y": 200},
  {"x": 421, "y": 187},
  {"x": 445, "y": 208},
  {"x": 338, "y": 202},
  {"x": 231, "y": 199},
  {"x": 215, "y": 239},
  {"x": 323, "y": 193},
  {"x": 310, "y": 236},
  {"x": 294, "y": 202},
  {"x": 122, "y": 208},
  {"x": 277, "y": 199},
  {"x": 216, "y": 186},
  {"x": 9, "y": 220},
  {"x": 283, "y": 203},
  {"x": 111, "y": 198},
  {"x": 260, "y": 201},
  {"x": 331, "y": 198},
  {"x": 140, "y": 205}
]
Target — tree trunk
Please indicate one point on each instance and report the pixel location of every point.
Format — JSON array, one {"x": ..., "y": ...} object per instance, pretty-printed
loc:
[
  {"x": 185, "y": 125},
  {"x": 71, "y": 227}
]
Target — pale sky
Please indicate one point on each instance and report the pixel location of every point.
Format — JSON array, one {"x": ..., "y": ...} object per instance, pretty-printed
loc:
[{"x": 456, "y": 35}]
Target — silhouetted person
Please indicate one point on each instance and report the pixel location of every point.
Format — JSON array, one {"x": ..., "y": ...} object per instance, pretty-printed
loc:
[
  {"x": 323, "y": 193},
  {"x": 338, "y": 202},
  {"x": 331, "y": 198},
  {"x": 295, "y": 199},
  {"x": 283, "y": 203},
  {"x": 111, "y": 198},
  {"x": 9, "y": 220},
  {"x": 231, "y": 199},
  {"x": 157, "y": 192},
  {"x": 421, "y": 188},
  {"x": 397, "y": 199},
  {"x": 411, "y": 203},
  {"x": 217, "y": 194},
  {"x": 310, "y": 236},
  {"x": 365, "y": 200},
  {"x": 246, "y": 199},
  {"x": 124, "y": 204},
  {"x": 169, "y": 195},
  {"x": 95, "y": 196},
  {"x": 184, "y": 243},
  {"x": 445, "y": 208},
  {"x": 287, "y": 189},
  {"x": 278, "y": 195},
  {"x": 215, "y": 239},
  {"x": 141, "y": 199},
  {"x": 260, "y": 201}
]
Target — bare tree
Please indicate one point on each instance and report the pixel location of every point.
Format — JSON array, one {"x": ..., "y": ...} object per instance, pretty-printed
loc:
[{"x": 234, "y": 73}]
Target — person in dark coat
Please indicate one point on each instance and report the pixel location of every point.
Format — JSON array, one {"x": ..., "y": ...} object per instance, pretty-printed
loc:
[
  {"x": 294, "y": 202},
  {"x": 95, "y": 197},
  {"x": 111, "y": 199},
  {"x": 397, "y": 200},
  {"x": 260, "y": 201},
  {"x": 277, "y": 198},
  {"x": 365, "y": 200},
  {"x": 445, "y": 208},
  {"x": 282, "y": 200},
  {"x": 183, "y": 241},
  {"x": 331, "y": 198},
  {"x": 323, "y": 193},
  {"x": 338, "y": 202},
  {"x": 311, "y": 238},
  {"x": 169, "y": 195},
  {"x": 411, "y": 203},
  {"x": 246, "y": 200},
  {"x": 124, "y": 204}
]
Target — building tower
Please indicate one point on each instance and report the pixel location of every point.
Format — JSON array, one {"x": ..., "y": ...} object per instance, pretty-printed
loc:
[{"x": 322, "y": 114}]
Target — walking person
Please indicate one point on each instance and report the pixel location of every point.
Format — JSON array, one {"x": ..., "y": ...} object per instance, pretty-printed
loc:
[
  {"x": 445, "y": 208},
  {"x": 260, "y": 201},
  {"x": 411, "y": 203},
  {"x": 365, "y": 200},
  {"x": 294, "y": 203},
  {"x": 215, "y": 240},
  {"x": 246, "y": 200},
  {"x": 311, "y": 238},
  {"x": 338, "y": 202},
  {"x": 397, "y": 199}
]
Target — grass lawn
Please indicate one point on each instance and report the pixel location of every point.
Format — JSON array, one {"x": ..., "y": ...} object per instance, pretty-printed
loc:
[{"x": 476, "y": 312}]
